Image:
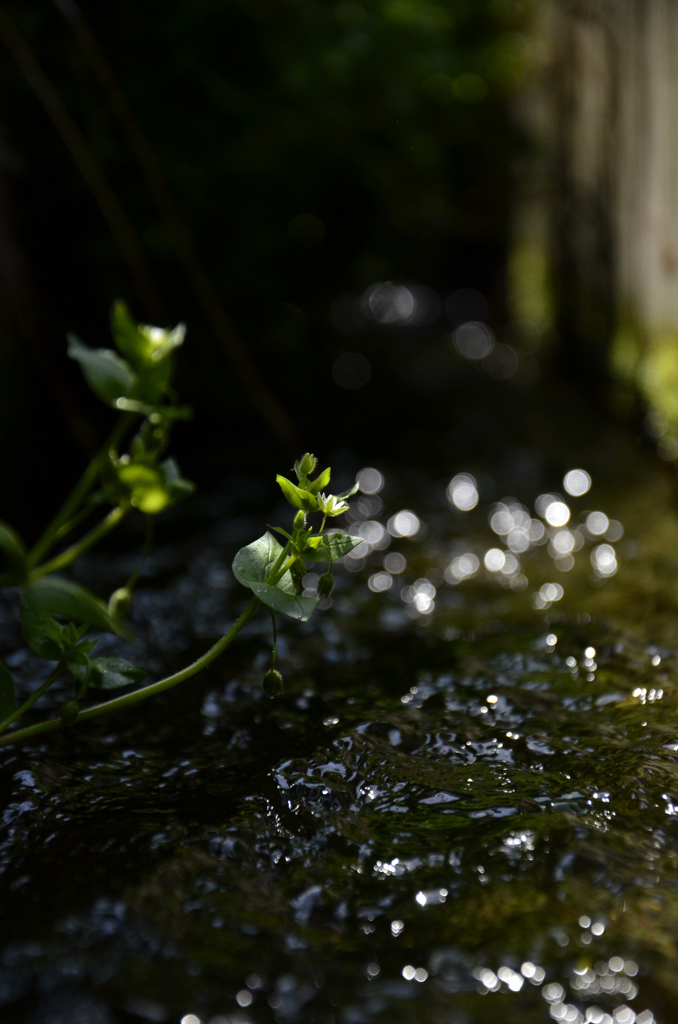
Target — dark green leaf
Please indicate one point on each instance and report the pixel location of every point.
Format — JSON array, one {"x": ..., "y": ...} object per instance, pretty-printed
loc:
[
  {"x": 80, "y": 653},
  {"x": 338, "y": 545},
  {"x": 251, "y": 567},
  {"x": 321, "y": 482},
  {"x": 53, "y": 595},
  {"x": 287, "y": 603},
  {"x": 110, "y": 377},
  {"x": 108, "y": 673},
  {"x": 298, "y": 498},
  {"x": 7, "y": 698},
  {"x": 44, "y": 635},
  {"x": 13, "y": 552},
  {"x": 253, "y": 564}
]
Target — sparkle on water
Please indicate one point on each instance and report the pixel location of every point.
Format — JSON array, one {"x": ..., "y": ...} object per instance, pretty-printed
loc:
[{"x": 437, "y": 820}]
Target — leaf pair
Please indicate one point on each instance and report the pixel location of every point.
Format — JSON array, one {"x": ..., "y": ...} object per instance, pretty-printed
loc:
[
  {"x": 138, "y": 379},
  {"x": 304, "y": 498},
  {"x": 325, "y": 547},
  {"x": 252, "y": 567},
  {"x": 149, "y": 488},
  {"x": 253, "y": 564},
  {"x": 106, "y": 673},
  {"x": 50, "y": 596}
]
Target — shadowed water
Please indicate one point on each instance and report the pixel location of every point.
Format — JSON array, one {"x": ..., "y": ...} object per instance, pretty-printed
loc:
[{"x": 460, "y": 812}]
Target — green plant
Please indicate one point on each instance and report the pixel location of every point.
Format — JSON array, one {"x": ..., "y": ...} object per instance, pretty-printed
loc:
[{"x": 56, "y": 613}]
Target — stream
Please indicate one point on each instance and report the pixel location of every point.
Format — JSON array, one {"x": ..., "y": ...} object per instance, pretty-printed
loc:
[{"x": 462, "y": 809}]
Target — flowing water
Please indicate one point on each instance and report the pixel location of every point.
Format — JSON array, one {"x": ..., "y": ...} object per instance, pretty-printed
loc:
[{"x": 463, "y": 808}]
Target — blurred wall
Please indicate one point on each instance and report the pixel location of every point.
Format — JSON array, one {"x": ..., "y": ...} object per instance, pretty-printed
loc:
[{"x": 609, "y": 88}]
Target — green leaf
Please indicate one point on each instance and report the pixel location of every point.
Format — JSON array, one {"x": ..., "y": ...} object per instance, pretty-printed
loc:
[
  {"x": 303, "y": 500},
  {"x": 253, "y": 564},
  {"x": 12, "y": 547},
  {"x": 287, "y": 604},
  {"x": 321, "y": 482},
  {"x": 177, "y": 487},
  {"x": 337, "y": 544},
  {"x": 149, "y": 350},
  {"x": 283, "y": 533},
  {"x": 110, "y": 377},
  {"x": 44, "y": 635},
  {"x": 53, "y": 595},
  {"x": 108, "y": 673},
  {"x": 146, "y": 487},
  {"x": 313, "y": 549},
  {"x": 7, "y": 698},
  {"x": 126, "y": 334},
  {"x": 143, "y": 344},
  {"x": 80, "y": 653},
  {"x": 347, "y": 494},
  {"x": 151, "y": 488}
]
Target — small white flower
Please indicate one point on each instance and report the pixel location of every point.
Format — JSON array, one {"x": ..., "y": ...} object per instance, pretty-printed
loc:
[{"x": 330, "y": 505}]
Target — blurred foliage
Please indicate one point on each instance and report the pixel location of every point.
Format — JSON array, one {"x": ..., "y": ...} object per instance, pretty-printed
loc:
[{"x": 312, "y": 148}]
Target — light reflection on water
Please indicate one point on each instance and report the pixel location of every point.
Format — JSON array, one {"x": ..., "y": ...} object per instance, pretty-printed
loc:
[
  {"x": 417, "y": 830},
  {"x": 554, "y": 528}
]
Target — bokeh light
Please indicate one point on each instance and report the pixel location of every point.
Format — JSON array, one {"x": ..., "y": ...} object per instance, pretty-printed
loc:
[
  {"x": 494, "y": 559},
  {"x": 461, "y": 568},
  {"x": 604, "y": 560},
  {"x": 462, "y": 492},
  {"x": 370, "y": 480},
  {"x": 404, "y": 524},
  {"x": 473, "y": 340},
  {"x": 388, "y": 303},
  {"x": 395, "y": 563},
  {"x": 577, "y": 482},
  {"x": 556, "y": 513},
  {"x": 597, "y": 523}
]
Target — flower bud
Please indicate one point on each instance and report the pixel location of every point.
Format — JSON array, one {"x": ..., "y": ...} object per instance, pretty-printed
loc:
[
  {"x": 120, "y": 603},
  {"x": 299, "y": 521},
  {"x": 305, "y": 465},
  {"x": 69, "y": 713},
  {"x": 325, "y": 585},
  {"x": 273, "y": 683}
]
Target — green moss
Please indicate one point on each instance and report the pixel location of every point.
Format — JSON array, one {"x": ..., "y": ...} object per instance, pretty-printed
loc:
[{"x": 658, "y": 376}]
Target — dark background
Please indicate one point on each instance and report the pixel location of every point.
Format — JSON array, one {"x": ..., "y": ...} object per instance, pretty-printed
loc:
[{"x": 310, "y": 150}]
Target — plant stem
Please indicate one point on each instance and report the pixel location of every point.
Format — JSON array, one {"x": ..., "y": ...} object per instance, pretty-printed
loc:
[
  {"x": 86, "y": 542},
  {"x": 129, "y": 699},
  {"x": 86, "y": 510},
  {"x": 30, "y": 701},
  {"x": 80, "y": 491},
  {"x": 290, "y": 562},
  {"x": 275, "y": 574}
]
